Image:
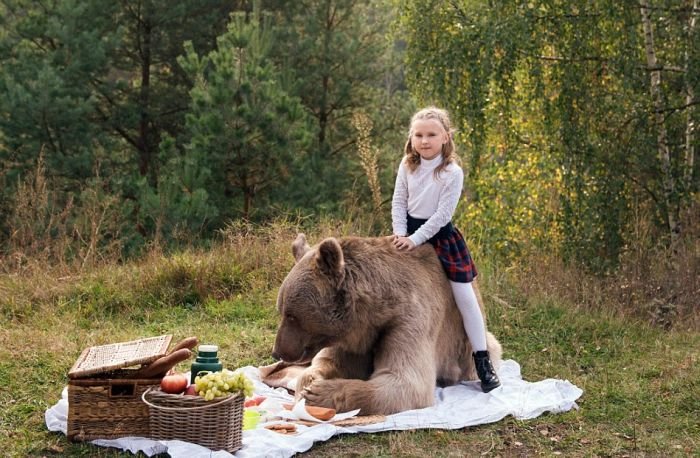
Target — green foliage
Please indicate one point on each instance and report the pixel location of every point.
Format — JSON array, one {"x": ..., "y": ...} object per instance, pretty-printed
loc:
[
  {"x": 180, "y": 206},
  {"x": 562, "y": 87},
  {"x": 91, "y": 87},
  {"x": 338, "y": 59},
  {"x": 556, "y": 124},
  {"x": 49, "y": 58},
  {"x": 185, "y": 143},
  {"x": 243, "y": 128},
  {"x": 146, "y": 95}
]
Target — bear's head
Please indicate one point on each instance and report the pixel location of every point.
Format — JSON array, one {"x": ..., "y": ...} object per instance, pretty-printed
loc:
[{"x": 312, "y": 301}]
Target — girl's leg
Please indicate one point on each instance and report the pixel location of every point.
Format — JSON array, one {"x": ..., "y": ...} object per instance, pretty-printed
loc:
[
  {"x": 471, "y": 314},
  {"x": 476, "y": 332}
]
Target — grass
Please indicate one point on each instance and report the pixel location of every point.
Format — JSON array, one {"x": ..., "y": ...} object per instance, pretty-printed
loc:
[{"x": 641, "y": 384}]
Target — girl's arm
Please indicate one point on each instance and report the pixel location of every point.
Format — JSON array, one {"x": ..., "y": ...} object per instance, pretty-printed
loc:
[
  {"x": 447, "y": 203},
  {"x": 399, "y": 203}
]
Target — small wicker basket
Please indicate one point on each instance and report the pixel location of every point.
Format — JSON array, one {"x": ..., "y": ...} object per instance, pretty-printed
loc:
[
  {"x": 215, "y": 424},
  {"x": 107, "y": 408},
  {"x": 104, "y": 396}
]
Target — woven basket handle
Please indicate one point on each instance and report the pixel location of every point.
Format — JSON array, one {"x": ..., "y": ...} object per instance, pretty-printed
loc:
[{"x": 180, "y": 409}]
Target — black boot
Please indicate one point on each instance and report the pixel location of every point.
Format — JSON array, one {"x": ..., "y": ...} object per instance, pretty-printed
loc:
[{"x": 484, "y": 368}]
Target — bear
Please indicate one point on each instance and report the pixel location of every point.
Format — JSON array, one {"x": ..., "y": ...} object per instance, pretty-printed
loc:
[{"x": 379, "y": 326}]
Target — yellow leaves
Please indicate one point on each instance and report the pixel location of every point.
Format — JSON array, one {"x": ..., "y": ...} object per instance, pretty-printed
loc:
[{"x": 517, "y": 205}]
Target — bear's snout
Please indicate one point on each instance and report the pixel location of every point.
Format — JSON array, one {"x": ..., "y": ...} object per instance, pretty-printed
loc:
[
  {"x": 290, "y": 346},
  {"x": 294, "y": 345},
  {"x": 298, "y": 357}
]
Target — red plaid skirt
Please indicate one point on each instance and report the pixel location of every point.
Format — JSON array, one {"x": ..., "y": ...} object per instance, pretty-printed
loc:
[{"x": 451, "y": 250}]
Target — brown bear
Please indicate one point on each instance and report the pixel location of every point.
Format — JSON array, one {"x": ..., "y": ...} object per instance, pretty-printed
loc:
[{"x": 379, "y": 326}]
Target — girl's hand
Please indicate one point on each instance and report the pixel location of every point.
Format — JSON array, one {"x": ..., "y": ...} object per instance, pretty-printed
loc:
[{"x": 403, "y": 243}]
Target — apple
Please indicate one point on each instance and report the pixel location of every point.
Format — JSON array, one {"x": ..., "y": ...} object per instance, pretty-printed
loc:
[
  {"x": 174, "y": 383},
  {"x": 254, "y": 401},
  {"x": 191, "y": 390}
]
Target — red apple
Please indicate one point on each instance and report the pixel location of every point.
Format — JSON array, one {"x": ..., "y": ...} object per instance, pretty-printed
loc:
[
  {"x": 191, "y": 390},
  {"x": 174, "y": 383},
  {"x": 254, "y": 401}
]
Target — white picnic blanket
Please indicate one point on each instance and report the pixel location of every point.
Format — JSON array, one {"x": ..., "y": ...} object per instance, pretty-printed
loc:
[{"x": 455, "y": 407}]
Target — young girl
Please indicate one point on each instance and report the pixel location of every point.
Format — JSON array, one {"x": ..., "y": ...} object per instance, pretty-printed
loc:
[{"x": 428, "y": 188}]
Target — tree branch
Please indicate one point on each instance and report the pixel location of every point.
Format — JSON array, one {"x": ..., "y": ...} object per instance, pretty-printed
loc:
[
  {"x": 565, "y": 59},
  {"x": 661, "y": 68}
]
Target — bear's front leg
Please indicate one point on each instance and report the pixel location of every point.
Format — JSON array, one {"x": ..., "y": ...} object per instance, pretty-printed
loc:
[
  {"x": 382, "y": 395},
  {"x": 342, "y": 395},
  {"x": 402, "y": 378},
  {"x": 322, "y": 367},
  {"x": 310, "y": 375},
  {"x": 334, "y": 363}
]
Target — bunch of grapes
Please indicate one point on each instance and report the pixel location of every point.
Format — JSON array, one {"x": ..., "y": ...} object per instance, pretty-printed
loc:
[{"x": 215, "y": 384}]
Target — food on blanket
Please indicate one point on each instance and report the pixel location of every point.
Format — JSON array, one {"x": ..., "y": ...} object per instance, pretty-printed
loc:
[
  {"x": 174, "y": 383},
  {"x": 320, "y": 413},
  {"x": 221, "y": 383},
  {"x": 188, "y": 342},
  {"x": 191, "y": 390},
  {"x": 346, "y": 305},
  {"x": 254, "y": 401},
  {"x": 162, "y": 365},
  {"x": 283, "y": 428},
  {"x": 251, "y": 418},
  {"x": 280, "y": 375}
]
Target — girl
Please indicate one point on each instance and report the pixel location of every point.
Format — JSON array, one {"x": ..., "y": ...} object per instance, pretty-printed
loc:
[{"x": 428, "y": 188}]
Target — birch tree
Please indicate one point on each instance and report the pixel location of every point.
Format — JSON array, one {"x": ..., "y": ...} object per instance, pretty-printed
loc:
[
  {"x": 600, "y": 95},
  {"x": 671, "y": 181}
]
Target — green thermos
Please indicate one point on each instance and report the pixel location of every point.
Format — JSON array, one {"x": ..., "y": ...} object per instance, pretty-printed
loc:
[{"x": 207, "y": 361}]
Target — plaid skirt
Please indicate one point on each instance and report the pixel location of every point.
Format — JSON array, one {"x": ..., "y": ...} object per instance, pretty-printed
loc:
[{"x": 451, "y": 250}]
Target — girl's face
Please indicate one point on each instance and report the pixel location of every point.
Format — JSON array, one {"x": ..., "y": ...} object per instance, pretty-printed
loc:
[{"x": 427, "y": 137}]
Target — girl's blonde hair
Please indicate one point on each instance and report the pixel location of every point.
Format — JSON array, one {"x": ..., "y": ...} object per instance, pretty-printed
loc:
[{"x": 449, "y": 153}]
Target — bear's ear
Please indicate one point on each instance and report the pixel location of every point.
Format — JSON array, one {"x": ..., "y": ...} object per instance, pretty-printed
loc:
[
  {"x": 299, "y": 247},
  {"x": 330, "y": 260}
]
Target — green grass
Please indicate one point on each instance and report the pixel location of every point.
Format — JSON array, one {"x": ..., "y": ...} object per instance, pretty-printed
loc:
[{"x": 641, "y": 384}]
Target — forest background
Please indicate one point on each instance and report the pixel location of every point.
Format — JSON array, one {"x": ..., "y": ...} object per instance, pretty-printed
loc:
[
  {"x": 126, "y": 126},
  {"x": 158, "y": 158}
]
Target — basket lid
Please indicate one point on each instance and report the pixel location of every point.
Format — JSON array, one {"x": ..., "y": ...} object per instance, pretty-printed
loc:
[{"x": 105, "y": 358}]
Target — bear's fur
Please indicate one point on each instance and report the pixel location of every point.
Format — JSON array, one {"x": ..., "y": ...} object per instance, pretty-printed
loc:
[{"x": 379, "y": 326}]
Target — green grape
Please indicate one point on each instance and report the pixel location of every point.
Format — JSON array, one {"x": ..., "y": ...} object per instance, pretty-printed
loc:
[{"x": 217, "y": 384}]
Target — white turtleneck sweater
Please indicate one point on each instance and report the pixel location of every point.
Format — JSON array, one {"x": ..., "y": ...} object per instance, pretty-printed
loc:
[{"x": 423, "y": 196}]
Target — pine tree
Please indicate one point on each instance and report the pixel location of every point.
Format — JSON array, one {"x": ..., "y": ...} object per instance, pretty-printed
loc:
[
  {"x": 242, "y": 129},
  {"x": 49, "y": 58}
]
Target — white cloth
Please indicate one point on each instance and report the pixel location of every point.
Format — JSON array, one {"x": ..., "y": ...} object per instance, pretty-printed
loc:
[
  {"x": 424, "y": 196},
  {"x": 455, "y": 407}
]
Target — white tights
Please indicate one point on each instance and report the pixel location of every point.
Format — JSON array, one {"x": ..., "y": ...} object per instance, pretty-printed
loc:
[{"x": 471, "y": 314}]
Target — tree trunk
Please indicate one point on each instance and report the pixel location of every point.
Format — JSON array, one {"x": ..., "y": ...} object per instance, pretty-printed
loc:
[
  {"x": 689, "y": 101},
  {"x": 323, "y": 111},
  {"x": 247, "y": 203},
  {"x": 144, "y": 100},
  {"x": 669, "y": 185},
  {"x": 323, "y": 115}
]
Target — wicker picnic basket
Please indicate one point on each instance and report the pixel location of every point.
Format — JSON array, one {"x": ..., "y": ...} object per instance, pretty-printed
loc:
[
  {"x": 104, "y": 398},
  {"x": 215, "y": 424}
]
